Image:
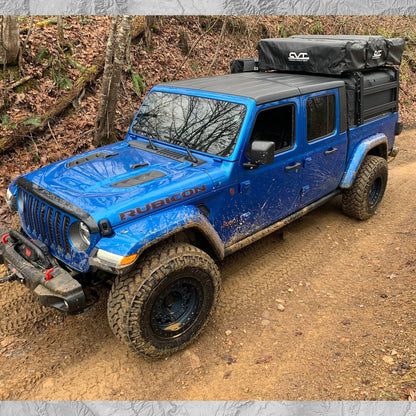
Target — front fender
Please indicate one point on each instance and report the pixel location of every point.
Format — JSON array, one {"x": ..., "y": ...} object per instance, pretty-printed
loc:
[
  {"x": 136, "y": 236},
  {"x": 360, "y": 152}
]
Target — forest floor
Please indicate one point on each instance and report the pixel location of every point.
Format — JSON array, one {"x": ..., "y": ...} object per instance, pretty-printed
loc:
[
  {"x": 347, "y": 331},
  {"x": 348, "y": 288}
]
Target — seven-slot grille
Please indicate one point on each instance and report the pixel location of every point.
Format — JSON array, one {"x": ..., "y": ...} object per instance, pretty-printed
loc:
[{"x": 48, "y": 224}]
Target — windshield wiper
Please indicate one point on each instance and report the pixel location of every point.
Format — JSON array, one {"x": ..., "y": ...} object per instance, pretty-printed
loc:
[
  {"x": 147, "y": 136},
  {"x": 151, "y": 143},
  {"x": 190, "y": 157}
]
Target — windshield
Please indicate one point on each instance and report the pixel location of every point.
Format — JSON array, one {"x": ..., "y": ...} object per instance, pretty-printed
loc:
[{"x": 204, "y": 124}]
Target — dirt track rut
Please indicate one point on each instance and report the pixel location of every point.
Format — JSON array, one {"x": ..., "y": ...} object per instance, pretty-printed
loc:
[{"x": 346, "y": 331}]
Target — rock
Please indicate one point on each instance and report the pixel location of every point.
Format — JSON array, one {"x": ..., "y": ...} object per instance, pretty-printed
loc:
[
  {"x": 230, "y": 360},
  {"x": 48, "y": 384},
  {"x": 279, "y": 300},
  {"x": 266, "y": 315},
  {"x": 228, "y": 333},
  {"x": 194, "y": 360},
  {"x": 264, "y": 360},
  {"x": 280, "y": 307},
  {"x": 393, "y": 352},
  {"x": 265, "y": 322},
  {"x": 290, "y": 290},
  {"x": 387, "y": 359}
]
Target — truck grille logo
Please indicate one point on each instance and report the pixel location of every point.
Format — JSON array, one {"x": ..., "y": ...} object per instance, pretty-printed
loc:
[
  {"x": 161, "y": 203},
  {"x": 298, "y": 57}
]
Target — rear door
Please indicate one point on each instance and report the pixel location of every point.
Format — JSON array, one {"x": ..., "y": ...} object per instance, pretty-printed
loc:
[{"x": 325, "y": 146}]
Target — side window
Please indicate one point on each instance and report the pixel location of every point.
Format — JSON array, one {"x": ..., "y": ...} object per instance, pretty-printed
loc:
[
  {"x": 320, "y": 112},
  {"x": 276, "y": 125}
]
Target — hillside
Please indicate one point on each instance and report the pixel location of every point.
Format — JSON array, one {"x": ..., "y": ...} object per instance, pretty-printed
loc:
[{"x": 180, "y": 47}]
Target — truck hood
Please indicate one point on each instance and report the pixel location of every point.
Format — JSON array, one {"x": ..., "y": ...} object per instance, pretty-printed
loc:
[{"x": 119, "y": 182}]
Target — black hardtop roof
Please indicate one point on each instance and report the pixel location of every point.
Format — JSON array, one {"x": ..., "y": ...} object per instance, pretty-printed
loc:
[{"x": 262, "y": 87}]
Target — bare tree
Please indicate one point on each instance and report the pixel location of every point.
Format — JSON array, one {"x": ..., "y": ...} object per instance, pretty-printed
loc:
[
  {"x": 217, "y": 51},
  {"x": 150, "y": 22},
  {"x": 9, "y": 39},
  {"x": 115, "y": 56},
  {"x": 60, "y": 28}
]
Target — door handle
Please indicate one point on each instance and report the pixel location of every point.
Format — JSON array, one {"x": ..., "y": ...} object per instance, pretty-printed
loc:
[
  {"x": 331, "y": 151},
  {"x": 292, "y": 167}
]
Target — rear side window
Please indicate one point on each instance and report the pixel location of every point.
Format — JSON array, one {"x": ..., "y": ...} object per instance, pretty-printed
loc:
[{"x": 320, "y": 116}]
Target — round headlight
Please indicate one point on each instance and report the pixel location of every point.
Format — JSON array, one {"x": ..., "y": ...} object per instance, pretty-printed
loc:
[
  {"x": 11, "y": 200},
  {"x": 80, "y": 236}
]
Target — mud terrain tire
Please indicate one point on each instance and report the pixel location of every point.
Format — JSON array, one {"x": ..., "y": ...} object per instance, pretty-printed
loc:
[
  {"x": 166, "y": 302},
  {"x": 365, "y": 195}
]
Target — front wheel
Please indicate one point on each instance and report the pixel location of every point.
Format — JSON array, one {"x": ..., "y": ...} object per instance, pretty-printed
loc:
[
  {"x": 366, "y": 193},
  {"x": 163, "y": 305}
]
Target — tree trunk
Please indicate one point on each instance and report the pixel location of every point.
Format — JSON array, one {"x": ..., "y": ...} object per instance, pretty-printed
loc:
[
  {"x": 24, "y": 129},
  {"x": 9, "y": 40},
  {"x": 60, "y": 28},
  {"x": 102, "y": 128},
  {"x": 224, "y": 25},
  {"x": 109, "y": 95},
  {"x": 150, "y": 21}
]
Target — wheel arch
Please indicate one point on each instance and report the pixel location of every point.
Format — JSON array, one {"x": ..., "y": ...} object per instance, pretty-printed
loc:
[
  {"x": 192, "y": 234},
  {"x": 376, "y": 145},
  {"x": 378, "y": 150},
  {"x": 182, "y": 224}
]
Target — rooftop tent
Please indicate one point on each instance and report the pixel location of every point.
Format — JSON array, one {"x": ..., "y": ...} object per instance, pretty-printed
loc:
[
  {"x": 378, "y": 47},
  {"x": 332, "y": 54}
]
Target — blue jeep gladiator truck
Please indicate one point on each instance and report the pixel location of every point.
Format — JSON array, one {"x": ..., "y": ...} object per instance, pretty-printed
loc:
[{"x": 208, "y": 166}]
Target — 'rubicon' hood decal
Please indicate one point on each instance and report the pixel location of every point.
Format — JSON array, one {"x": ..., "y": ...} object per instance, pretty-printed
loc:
[{"x": 162, "y": 202}]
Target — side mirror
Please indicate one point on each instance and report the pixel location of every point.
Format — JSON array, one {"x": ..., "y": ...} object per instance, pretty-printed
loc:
[
  {"x": 262, "y": 153},
  {"x": 132, "y": 117}
]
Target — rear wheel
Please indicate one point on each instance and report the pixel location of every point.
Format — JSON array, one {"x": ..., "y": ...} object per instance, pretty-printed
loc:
[
  {"x": 163, "y": 305},
  {"x": 365, "y": 195}
]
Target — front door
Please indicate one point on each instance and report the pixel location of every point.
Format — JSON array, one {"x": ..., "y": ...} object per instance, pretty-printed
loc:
[{"x": 271, "y": 192}]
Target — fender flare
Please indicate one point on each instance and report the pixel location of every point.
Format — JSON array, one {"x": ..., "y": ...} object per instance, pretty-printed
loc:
[
  {"x": 358, "y": 156},
  {"x": 137, "y": 236}
]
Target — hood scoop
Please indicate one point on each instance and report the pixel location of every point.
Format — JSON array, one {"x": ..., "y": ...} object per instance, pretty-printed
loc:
[
  {"x": 139, "y": 179},
  {"x": 94, "y": 156},
  {"x": 139, "y": 165}
]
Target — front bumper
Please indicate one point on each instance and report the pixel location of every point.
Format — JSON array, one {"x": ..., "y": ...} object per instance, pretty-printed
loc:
[{"x": 52, "y": 285}]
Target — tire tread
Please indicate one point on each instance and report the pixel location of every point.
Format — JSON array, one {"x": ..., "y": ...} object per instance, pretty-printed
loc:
[
  {"x": 355, "y": 199},
  {"x": 127, "y": 292}
]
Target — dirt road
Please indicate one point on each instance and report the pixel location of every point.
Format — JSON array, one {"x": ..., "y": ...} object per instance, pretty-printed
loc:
[{"x": 345, "y": 330}]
